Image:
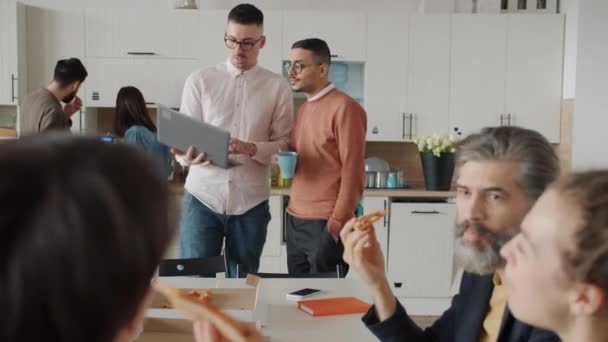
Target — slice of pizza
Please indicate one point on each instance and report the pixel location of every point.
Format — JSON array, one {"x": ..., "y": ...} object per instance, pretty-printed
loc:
[
  {"x": 367, "y": 221},
  {"x": 202, "y": 296}
]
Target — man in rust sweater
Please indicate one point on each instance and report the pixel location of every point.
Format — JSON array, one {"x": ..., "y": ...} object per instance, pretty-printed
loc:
[{"x": 329, "y": 137}]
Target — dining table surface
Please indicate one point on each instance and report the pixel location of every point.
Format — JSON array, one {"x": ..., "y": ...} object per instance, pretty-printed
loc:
[{"x": 280, "y": 318}]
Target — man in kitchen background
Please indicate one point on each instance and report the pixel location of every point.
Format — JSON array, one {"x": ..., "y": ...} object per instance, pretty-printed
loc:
[
  {"x": 41, "y": 110},
  {"x": 256, "y": 106},
  {"x": 501, "y": 172},
  {"x": 329, "y": 138}
]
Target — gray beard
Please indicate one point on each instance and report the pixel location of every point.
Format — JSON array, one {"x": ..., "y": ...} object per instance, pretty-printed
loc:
[{"x": 482, "y": 260}]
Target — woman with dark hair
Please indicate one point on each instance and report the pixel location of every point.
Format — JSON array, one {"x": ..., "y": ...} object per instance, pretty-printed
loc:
[
  {"x": 132, "y": 122},
  {"x": 80, "y": 238},
  {"x": 557, "y": 267}
]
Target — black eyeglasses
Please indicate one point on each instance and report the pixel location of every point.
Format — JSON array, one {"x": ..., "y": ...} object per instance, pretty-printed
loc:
[
  {"x": 246, "y": 44},
  {"x": 297, "y": 66}
]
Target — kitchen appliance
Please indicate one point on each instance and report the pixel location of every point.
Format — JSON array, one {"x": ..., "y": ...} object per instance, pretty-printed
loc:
[
  {"x": 381, "y": 179},
  {"x": 376, "y": 164},
  {"x": 370, "y": 179},
  {"x": 401, "y": 178},
  {"x": 392, "y": 181},
  {"x": 376, "y": 173}
]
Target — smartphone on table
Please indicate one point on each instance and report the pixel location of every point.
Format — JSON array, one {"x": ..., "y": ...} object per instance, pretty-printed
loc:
[{"x": 303, "y": 293}]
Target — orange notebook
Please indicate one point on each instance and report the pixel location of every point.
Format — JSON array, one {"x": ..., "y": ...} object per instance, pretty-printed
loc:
[{"x": 333, "y": 306}]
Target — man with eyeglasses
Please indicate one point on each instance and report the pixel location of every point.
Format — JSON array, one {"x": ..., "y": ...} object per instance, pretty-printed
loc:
[
  {"x": 329, "y": 137},
  {"x": 256, "y": 106}
]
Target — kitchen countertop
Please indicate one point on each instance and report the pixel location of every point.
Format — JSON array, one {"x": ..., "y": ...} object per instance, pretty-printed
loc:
[{"x": 178, "y": 189}]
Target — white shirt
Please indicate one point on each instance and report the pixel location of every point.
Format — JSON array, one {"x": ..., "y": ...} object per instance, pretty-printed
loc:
[
  {"x": 256, "y": 106},
  {"x": 322, "y": 93}
]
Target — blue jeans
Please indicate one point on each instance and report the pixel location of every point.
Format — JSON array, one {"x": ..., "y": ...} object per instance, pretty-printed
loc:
[{"x": 202, "y": 232}]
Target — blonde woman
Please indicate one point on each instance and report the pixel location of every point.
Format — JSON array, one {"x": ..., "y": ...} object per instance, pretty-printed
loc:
[{"x": 557, "y": 267}]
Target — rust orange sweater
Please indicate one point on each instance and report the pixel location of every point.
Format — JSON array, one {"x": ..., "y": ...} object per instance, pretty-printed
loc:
[{"x": 329, "y": 137}]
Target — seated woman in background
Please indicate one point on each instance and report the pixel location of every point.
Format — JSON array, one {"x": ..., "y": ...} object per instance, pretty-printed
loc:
[
  {"x": 557, "y": 267},
  {"x": 82, "y": 234},
  {"x": 132, "y": 122}
]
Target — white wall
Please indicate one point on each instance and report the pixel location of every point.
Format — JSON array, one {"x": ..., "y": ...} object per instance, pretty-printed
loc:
[{"x": 591, "y": 109}]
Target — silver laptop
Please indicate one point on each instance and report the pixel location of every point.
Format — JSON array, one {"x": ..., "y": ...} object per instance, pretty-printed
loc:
[{"x": 181, "y": 131}]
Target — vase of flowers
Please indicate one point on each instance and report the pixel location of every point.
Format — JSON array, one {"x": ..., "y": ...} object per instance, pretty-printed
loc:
[{"x": 437, "y": 157}]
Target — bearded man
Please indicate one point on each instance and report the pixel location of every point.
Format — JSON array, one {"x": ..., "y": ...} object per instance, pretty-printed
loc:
[{"x": 501, "y": 171}]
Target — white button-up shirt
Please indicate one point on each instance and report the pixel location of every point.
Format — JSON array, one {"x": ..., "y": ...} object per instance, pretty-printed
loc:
[{"x": 256, "y": 106}]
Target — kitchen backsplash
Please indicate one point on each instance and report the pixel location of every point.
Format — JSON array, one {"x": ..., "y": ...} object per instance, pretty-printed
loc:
[
  {"x": 399, "y": 155},
  {"x": 8, "y": 116}
]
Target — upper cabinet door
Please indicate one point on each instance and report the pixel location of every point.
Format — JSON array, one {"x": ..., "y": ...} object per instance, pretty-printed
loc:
[
  {"x": 212, "y": 29},
  {"x": 271, "y": 53},
  {"x": 534, "y": 73},
  {"x": 132, "y": 33},
  {"x": 385, "y": 76},
  {"x": 8, "y": 53},
  {"x": 160, "y": 80},
  {"x": 429, "y": 74},
  {"x": 477, "y": 96},
  {"x": 102, "y": 27},
  {"x": 344, "y": 32}
]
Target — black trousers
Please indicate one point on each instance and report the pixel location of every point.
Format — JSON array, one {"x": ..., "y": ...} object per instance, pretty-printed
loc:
[{"x": 311, "y": 249}]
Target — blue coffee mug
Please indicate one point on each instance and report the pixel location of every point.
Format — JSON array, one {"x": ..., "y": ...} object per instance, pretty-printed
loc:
[
  {"x": 392, "y": 181},
  {"x": 287, "y": 164}
]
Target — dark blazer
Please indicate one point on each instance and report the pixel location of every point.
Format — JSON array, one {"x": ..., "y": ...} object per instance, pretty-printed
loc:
[{"x": 462, "y": 322}]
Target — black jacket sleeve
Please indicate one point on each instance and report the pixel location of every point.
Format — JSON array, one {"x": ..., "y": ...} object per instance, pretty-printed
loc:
[{"x": 400, "y": 327}]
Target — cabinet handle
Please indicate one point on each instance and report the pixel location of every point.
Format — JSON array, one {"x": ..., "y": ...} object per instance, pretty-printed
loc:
[
  {"x": 150, "y": 103},
  {"x": 403, "y": 126},
  {"x": 502, "y": 119},
  {"x": 425, "y": 212},
  {"x": 142, "y": 53},
  {"x": 509, "y": 119},
  {"x": 13, "y": 79},
  {"x": 334, "y": 56},
  {"x": 411, "y": 121},
  {"x": 385, "y": 206}
]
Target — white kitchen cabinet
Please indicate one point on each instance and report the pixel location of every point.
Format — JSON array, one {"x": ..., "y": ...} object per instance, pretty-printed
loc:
[
  {"x": 212, "y": 30},
  {"x": 129, "y": 32},
  {"x": 274, "y": 237},
  {"x": 534, "y": 73},
  {"x": 271, "y": 255},
  {"x": 283, "y": 263},
  {"x": 407, "y": 90},
  {"x": 271, "y": 55},
  {"x": 386, "y": 76},
  {"x": 507, "y": 71},
  {"x": 54, "y": 34},
  {"x": 344, "y": 32},
  {"x": 160, "y": 80},
  {"x": 421, "y": 248},
  {"x": 428, "y": 80},
  {"x": 372, "y": 204},
  {"x": 381, "y": 227},
  {"x": 13, "y": 74},
  {"x": 270, "y": 264},
  {"x": 478, "y": 60}
]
